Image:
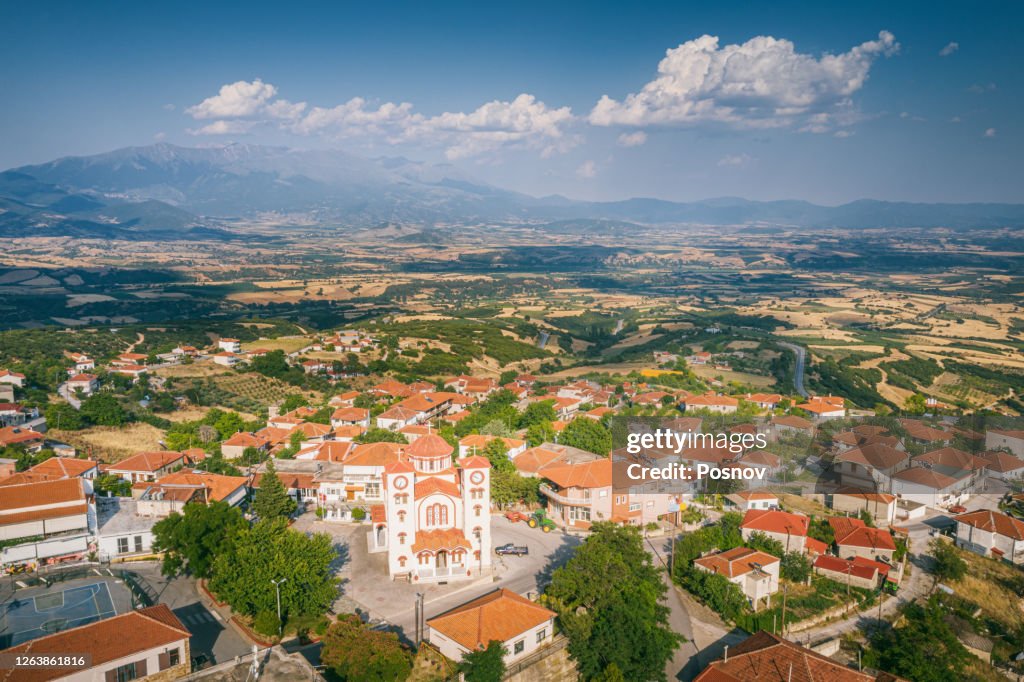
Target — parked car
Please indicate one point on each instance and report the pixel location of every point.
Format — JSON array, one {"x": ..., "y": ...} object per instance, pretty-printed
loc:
[
  {"x": 958, "y": 509},
  {"x": 515, "y": 550}
]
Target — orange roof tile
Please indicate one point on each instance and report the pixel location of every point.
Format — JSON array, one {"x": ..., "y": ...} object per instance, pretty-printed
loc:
[
  {"x": 148, "y": 462},
  {"x": 994, "y": 522},
  {"x": 736, "y": 561},
  {"x": 430, "y": 446},
  {"x": 501, "y": 616},
  {"x": 596, "y": 474},
  {"x": 436, "y": 540},
  {"x": 774, "y": 521}
]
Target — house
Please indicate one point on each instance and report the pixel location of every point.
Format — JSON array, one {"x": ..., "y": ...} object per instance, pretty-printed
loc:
[
  {"x": 147, "y": 643},
  {"x": 995, "y": 439},
  {"x": 923, "y": 434},
  {"x": 351, "y": 416},
  {"x": 825, "y": 407},
  {"x": 86, "y": 383},
  {"x": 83, "y": 363},
  {"x": 235, "y": 446},
  {"x": 230, "y": 345},
  {"x": 855, "y": 538},
  {"x": 956, "y": 464},
  {"x": 530, "y": 462},
  {"x": 881, "y": 506},
  {"x": 122, "y": 530},
  {"x": 746, "y": 500},
  {"x": 699, "y": 358},
  {"x": 521, "y": 625},
  {"x": 325, "y": 451},
  {"x": 392, "y": 388},
  {"x": 346, "y": 399},
  {"x": 13, "y": 414},
  {"x": 765, "y": 401},
  {"x": 789, "y": 529},
  {"x": 1002, "y": 465},
  {"x": 870, "y": 467},
  {"x": 13, "y": 378},
  {"x": 767, "y": 463},
  {"x": 435, "y": 522},
  {"x": 475, "y": 444},
  {"x": 475, "y": 387},
  {"x": 361, "y": 479},
  {"x": 397, "y": 418},
  {"x": 147, "y": 466},
  {"x": 993, "y": 534},
  {"x": 933, "y": 488},
  {"x": 129, "y": 359},
  {"x": 764, "y": 657},
  {"x": 650, "y": 398},
  {"x": 56, "y": 468},
  {"x": 226, "y": 358},
  {"x": 756, "y": 573},
  {"x": 211, "y": 487},
  {"x": 855, "y": 572},
  {"x": 712, "y": 402},
  {"x": 790, "y": 425},
  {"x": 314, "y": 366},
  {"x": 566, "y": 407},
  {"x": 17, "y": 435},
  {"x": 44, "y": 523},
  {"x": 579, "y": 494},
  {"x": 182, "y": 350}
]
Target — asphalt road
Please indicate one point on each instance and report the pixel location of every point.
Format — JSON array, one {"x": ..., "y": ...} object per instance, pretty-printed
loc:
[{"x": 798, "y": 373}]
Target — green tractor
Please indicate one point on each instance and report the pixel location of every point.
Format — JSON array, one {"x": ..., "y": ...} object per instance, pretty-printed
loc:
[{"x": 539, "y": 518}]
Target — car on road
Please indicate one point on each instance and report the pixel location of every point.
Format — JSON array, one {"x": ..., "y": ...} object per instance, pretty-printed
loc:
[
  {"x": 958, "y": 509},
  {"x": 510, "y": 548}
]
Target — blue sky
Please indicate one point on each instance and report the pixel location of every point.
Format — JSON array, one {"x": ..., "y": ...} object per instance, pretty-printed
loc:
[{"x": 905, "y": 101}]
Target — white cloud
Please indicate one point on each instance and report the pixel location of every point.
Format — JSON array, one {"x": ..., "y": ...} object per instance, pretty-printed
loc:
[
  {"x": 237, "y": 99},
  {"x": 990, "y": 132},
  {"x": 160, "y": 137},
  {"x": 843, "y": 133},
  {"x": 763, "y": 83},
  {"x": 949, "y": 49},
  {"x": 735, "y": 160},
  {"x": 169, "y": 107},
  {"x": 587, "y": 170},
  {"x": 523, "y": 122},
  {"x": 634, "y": 139},
  {"x": 979, "y": 88},
  {"x": 236, "y": 127},
  {"x": 955, "y": 119}
]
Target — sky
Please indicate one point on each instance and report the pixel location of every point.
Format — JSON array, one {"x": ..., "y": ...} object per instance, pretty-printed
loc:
[{"x": 828, "y": 102}]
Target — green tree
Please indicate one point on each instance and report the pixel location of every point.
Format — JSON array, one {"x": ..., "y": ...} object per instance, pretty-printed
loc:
[
  {"x": 768, "y": 545},
  {"x": 228, "y": 424},
  {"x": 272, "y": 500},
  {"x": 192, "y": 541},
  {"x": 497, "y": 454},
  {"x": 915, "y": 404},
  {"x": 355, "y": 653},
  {"x": 63, "y": 416},
  {"x": 949, "y": 565},
  {"x": 538, "y": 413},
  {"x": 609, "y": 600},
  {"x": 375, "y": 435},
  {"x": 543, "y": 432},
  {"x": 923, "y": 648},
  {"x": 269, "y": 551},
  {"x": 484, "y": 665},
  {"x": 587, "y": 434},
  {"x": 104, "y": 410},
  {"x": 795, "y": 567},
  {"x": 293, "y": 401},
  {"x": 112, "y": 484}
]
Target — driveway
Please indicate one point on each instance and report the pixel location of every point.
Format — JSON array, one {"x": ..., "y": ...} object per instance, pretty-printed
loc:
[{"x": 366, "y": 586}]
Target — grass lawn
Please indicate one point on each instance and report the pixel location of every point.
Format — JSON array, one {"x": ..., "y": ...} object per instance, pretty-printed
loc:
[{"x": 112, "y": 443}]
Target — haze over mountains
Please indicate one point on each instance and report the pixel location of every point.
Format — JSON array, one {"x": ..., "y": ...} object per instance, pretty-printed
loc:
[{"x": 164, "y": 191}]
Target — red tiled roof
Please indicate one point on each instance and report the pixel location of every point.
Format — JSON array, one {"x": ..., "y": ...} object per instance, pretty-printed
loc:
[
  {"x": 853, "y": 532},
  {"x": 793, "y": 421},
  {"x": 994, "y": 522},
  {"x": 436, "y": 485},
  {"x": 430, "y": 446},
  {"x": 764, "y": 657},
  {"x": 436, "y": 540},
  {"x": 60, "y": 491},
  {"x": 595, "y": 474},
  {"x": 499, "y": 616},
  {"x": 735, "y": 562},
  {"x": 834, "y": 564},
  {"x": 110, "y": 639},
  {"x": 148, "y": 462},
  {"x": 774, "y": 521}
]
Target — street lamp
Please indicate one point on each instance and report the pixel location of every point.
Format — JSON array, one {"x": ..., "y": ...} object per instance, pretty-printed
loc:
[{"x": 280, "y": 623}]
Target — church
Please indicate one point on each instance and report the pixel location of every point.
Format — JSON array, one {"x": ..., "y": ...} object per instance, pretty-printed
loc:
[{"x": 435, "y": 520}]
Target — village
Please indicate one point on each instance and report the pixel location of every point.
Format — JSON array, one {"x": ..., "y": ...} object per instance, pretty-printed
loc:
[{"x": 454, "y": 502}]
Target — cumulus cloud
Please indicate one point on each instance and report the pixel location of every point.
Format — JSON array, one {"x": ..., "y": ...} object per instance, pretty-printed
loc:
[
  {"x": 237, "y": 99},
  {"x": 949, "y": 49},
  {"x": 843, "y": 133},
  {"x": 224, "y": 127},
  {"x": 587, "y": 170},
  {"x": 990, "y": 132},
  {"x": 763, "y": 83},
  {"x": 634, "y": 139},
  {"x": 160, "y": 137},
  {"x": 735, "y": 160},
  {"x": 523, "y": 122}
]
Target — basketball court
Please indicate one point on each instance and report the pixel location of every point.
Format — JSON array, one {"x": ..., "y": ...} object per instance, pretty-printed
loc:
[{"x": 49, "y": 611}]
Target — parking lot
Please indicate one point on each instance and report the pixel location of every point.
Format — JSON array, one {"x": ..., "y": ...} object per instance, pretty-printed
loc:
[{"x": 367, "y": 587}]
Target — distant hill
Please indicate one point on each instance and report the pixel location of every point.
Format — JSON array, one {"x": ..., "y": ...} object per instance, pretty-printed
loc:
[{"x": 164, "y": 189}]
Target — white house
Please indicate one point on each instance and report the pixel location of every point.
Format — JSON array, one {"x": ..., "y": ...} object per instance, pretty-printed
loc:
[
  {"x": 13, "y": 378},
  {"x": 998, "y": 439},
  {"x": 230, "y": 345},
  {"x": 121, "y": 530},
  {"x": 86, "y": 383},
  {"x": 756, "y": 573},
  {"x": 503, "y": 616},
  {"x": 991, "y": 533}
]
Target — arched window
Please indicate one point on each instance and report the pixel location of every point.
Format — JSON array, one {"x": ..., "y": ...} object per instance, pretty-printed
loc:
[
  {"x": 477, "y": 509},
  {"x": 401, "y": 538},
  {"x": 437, "y": 515},
  {"x": 431, "y": 514},
  {"x": 443, "y": 515},
  {"x": 401, "y": 561},
  {"x": 401, "y": 515}
]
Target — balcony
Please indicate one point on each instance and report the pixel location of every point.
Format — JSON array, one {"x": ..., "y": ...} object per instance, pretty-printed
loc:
[{"x": 559, "y": 496}]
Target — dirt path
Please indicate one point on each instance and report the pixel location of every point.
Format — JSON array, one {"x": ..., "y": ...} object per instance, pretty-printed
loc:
[
  {"x": 894, "y": 394},
  {"x": 139, "y": 339}
]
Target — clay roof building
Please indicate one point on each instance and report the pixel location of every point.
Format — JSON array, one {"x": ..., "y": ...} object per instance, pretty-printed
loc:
[{"x": 500, "y": 616}]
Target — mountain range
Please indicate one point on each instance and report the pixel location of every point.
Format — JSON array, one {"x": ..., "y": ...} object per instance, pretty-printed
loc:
[{"x": 164, "y": 191}]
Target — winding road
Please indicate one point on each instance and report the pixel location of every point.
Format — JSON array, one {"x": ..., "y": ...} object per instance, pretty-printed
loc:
[{"x": 798, "y": 373}]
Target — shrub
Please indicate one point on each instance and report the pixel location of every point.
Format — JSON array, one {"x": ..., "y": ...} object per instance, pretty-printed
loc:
[
  {"x": 358, "y": 514},
  {"x": 267, "y": 623}
]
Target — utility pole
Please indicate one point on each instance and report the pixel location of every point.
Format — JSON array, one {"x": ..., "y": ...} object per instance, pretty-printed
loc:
[
  {"x": 785, "y": 592},
  {"x": 277, "y": 588}
]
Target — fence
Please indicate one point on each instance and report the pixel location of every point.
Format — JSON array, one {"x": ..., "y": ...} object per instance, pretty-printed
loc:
[{"x": 142, "y": 592}]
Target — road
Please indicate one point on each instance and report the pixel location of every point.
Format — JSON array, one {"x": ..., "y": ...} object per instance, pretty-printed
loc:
[
  {"x": 798, "y": 372},
  {"x": 63, "y": 392}
]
